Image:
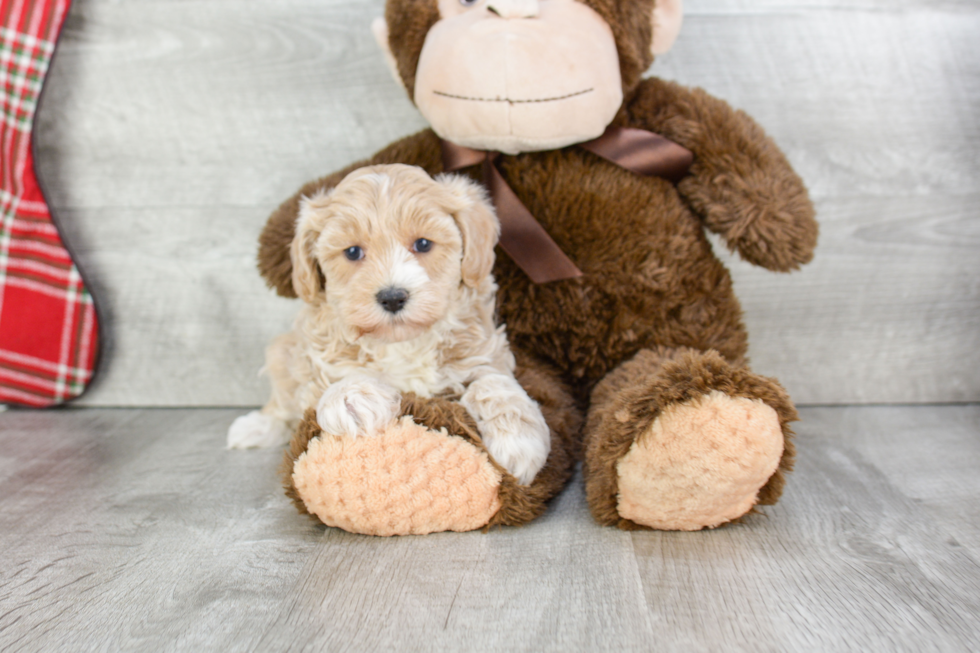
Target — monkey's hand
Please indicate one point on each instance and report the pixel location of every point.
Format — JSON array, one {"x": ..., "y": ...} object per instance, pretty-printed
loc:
[{"x": 740, "y": 184}]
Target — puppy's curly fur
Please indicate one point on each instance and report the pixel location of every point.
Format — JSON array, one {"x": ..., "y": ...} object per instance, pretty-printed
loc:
[{"x": 394, "y": 270}]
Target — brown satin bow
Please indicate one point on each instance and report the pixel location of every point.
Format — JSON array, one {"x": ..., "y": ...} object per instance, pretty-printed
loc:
[{"x": 523, "y": 237}]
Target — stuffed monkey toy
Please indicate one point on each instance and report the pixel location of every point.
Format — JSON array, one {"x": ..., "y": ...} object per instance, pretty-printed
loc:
[{"x": 624, "y": 323}]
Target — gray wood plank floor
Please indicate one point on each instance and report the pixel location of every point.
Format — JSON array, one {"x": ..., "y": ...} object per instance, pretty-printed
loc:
[
  {"x": 133, "y": 529},
  {"x": 169, "y": 130}
]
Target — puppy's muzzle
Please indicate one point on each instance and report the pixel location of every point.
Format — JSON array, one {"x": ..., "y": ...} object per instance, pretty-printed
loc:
[{"x": 392, "y": 299}]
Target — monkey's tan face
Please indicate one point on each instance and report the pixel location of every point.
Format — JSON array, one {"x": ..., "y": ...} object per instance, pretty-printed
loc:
[{"x": 518, "y": 75}]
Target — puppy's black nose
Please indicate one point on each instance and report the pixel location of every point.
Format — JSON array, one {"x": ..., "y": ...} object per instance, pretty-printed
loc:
[{"x": 392, "y": 299}]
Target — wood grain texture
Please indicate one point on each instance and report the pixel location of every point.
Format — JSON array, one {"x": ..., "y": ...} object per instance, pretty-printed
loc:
[
  {"x": 170, "y": 129},
  {"x": 863, "y": 539},
  {"x": 134, "y": 530}
]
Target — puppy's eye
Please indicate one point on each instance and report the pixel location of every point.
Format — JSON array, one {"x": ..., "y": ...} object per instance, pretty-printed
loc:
[
  {"x": 422, "y": 245},
  {"x": 354, "y": 253},
  {"x": 468, "y": 3}
]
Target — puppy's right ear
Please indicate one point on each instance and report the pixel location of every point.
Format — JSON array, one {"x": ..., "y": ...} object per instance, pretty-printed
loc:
[
  {"x": 308, "y": 279},
  {"x": 471, "y": 208}
]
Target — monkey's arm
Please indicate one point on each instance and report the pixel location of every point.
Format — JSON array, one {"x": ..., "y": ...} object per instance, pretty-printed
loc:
[
  {"x": 740, "y": 184},
  {"x": 421, "y": 149}
]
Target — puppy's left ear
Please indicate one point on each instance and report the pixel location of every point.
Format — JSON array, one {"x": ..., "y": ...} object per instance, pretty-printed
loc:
[{"x": 477, "y": 223}]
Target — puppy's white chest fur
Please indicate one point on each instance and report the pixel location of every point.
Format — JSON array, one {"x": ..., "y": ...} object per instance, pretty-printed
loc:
[{"x": 417, "y": 365}]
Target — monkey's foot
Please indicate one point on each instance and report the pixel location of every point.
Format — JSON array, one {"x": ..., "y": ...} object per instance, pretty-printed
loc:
[
  {"x": 428, "y": 471},
  {"x": 700, "y": 464},
  {"x": 684, "y": 440},
  {"x": 406, "y": 480}
]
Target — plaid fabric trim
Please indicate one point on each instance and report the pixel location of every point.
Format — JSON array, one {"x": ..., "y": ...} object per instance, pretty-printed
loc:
[
  {"x": 48, "y": 326},
  {"x": 23, "y": 62}
]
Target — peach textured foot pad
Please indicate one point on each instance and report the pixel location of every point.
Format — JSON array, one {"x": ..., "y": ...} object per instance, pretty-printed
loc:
[
  {"x": 700, "y": 464},
  {"x": 407, "y": 481}
]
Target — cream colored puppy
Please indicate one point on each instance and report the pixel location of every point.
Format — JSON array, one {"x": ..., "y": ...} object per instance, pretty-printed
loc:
[{"x": 394, "y": 269}]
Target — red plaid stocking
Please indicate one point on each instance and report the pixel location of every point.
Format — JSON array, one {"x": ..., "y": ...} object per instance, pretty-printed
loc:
[{"x": 48, "y": 326}]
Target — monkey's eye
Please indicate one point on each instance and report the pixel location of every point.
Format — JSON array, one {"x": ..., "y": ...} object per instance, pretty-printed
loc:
[
  {"x": 354, "y": 253},
  {"x": 422, "y": 245}
]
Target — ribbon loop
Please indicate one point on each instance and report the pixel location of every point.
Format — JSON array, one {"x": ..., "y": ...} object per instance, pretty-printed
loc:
[
  {"x": 456, "y": 157},
  {"x": 643, "y": 152}
]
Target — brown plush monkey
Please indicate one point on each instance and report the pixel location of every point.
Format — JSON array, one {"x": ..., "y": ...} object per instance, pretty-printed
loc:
[{"x": 639, "y": 363}]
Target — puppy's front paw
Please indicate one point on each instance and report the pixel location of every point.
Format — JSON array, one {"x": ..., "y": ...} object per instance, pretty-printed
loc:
[
  {"x": 357, "y": 405},
  {"x": 257, "y": 430},
  {"x": 513, "y": 429}
]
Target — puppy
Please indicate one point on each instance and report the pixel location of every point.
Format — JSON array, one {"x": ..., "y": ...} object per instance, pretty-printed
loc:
[{"x": 394, "y": 269}]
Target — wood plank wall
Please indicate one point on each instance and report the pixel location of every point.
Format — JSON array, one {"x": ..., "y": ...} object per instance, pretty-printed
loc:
[{"x": 170, "y": 129}]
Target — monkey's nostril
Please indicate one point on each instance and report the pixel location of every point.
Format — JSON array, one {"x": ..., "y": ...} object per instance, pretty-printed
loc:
[{"x": 392, "y": 299}]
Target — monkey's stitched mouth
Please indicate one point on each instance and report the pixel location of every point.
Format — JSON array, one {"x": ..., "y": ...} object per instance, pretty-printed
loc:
[{"x": 512, "y": 101}]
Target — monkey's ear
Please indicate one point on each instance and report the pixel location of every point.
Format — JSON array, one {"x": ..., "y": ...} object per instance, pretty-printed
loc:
[
  {"x": 667, "y": 18},
  {"x": 477, "y": 223},
  {"x": 379, "y": 27},
  {"x": 308, "y": 280}
]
